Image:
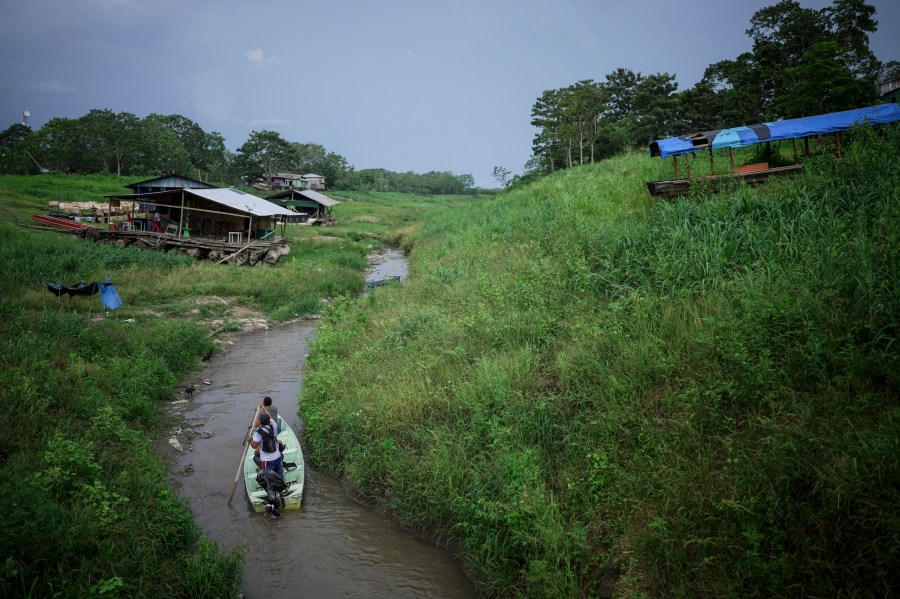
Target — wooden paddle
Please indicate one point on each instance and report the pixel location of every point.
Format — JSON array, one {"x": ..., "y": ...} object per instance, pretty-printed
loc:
[{"x": 249, "y": 436}]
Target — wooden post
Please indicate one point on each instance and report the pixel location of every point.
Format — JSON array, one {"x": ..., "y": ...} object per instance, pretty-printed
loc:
[
  {"x": 247, "y": 439},
  {"x": 731, "y": 159},
  {"x": 837, "y": 141},
  {"x": 180, "y": 216},
  {"x": 794, "y": 145},
  {"x": 675, "y": 160},
  {"x": 712, "y": 169},
  {"x": 806, "y": 146},
  {"x": 687, "y": 159}
]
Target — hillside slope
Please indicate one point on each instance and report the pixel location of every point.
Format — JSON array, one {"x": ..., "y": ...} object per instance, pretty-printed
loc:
[{"x": 592, "y": 393}]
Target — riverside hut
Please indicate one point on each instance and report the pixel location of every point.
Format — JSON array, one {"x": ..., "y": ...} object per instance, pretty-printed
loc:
[
  {"x": 307, "y": 206},
  {"x": 214, "y": 223}
]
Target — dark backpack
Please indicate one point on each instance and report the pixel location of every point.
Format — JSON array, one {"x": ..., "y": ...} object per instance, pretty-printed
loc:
[{"x": 268, "y": 438}]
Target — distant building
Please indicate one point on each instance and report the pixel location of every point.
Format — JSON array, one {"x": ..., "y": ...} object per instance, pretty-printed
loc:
[
  {"x": 889, "y": 91},
  {"x": 284, "y": 180},
  {"x": 312, "y": 181},
  {"x": 168, "y": 183},
  {"x": 309, "y": 206}
]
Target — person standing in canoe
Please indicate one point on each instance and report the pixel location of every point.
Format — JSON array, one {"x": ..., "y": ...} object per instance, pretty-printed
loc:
[
  {"x": 265, "y": 438},
  {"x": 267, "y": 408}
]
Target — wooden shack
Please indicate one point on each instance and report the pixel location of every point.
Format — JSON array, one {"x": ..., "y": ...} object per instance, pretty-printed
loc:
[
  {"x": 312, "y": 181},
  {"x": 306, "y": 205},
  {"x": 209, "y": 222}
]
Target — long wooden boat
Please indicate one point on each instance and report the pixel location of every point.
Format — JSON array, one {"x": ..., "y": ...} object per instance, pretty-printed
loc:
[{"x": 293, "y": 472}]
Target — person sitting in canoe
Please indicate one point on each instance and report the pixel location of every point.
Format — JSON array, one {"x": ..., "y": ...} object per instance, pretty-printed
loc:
[
  {"x": 272, "y": 411},
  {"x": 265, "y": 439}
]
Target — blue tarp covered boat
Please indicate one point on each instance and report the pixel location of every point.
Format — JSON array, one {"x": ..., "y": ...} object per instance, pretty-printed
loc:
[
  {"x": 746, "y": 135},
  {"x": 736, "y": 137}
]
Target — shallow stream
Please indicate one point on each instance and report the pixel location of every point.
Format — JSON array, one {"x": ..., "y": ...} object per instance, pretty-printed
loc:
[{"x": 330, "y": 547}]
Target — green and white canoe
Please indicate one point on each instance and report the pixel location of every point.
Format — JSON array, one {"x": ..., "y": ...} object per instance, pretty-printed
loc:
[{"x": 293, "y": 472}]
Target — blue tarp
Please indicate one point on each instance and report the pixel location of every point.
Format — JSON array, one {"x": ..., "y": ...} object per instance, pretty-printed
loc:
[
  {"x": 673, "y": 146},
  {"x": 788, "y": 129},
  {"x": 109, "y": 296}
]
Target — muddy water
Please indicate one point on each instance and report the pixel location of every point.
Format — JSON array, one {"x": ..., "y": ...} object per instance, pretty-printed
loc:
[
  {"x": 332, "y": 546},
  {"x": 390, "y": 263}
]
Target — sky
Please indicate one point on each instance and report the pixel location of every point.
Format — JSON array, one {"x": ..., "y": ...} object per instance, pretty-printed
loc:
[{"x": 405, "y": 85}]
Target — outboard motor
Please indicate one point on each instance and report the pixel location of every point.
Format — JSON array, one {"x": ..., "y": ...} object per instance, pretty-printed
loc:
[{"x": 274, "y": 486}]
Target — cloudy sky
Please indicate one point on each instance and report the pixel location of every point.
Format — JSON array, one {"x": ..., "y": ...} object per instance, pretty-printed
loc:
[{"x": 407, "y": 85}]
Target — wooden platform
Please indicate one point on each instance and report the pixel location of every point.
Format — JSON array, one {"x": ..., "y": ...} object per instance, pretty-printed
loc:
[
  {"x": 202, "y": 248},
  {"x": 671, "y": 188}
]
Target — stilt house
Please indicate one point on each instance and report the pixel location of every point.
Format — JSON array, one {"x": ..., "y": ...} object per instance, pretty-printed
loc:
[{"x": 307, "y": 206}]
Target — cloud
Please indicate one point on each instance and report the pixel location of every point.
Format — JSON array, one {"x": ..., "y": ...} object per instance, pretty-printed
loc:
[
  {"x": 259, "y": 59},
  {"x": 54, "y": 87}
]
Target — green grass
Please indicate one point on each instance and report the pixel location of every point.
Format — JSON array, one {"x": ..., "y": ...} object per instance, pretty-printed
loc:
[
  {"x": 90, "y": 510},
  {"x": 593, "y": 392}
]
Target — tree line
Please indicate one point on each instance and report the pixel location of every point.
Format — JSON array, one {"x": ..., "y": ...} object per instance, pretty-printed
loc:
[
  {"x": 103, "y": 141},
  {"x": 802, "y": 62}
]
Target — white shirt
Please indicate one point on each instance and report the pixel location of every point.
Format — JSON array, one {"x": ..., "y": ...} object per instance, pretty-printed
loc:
[{"x": 264, "y": 455}]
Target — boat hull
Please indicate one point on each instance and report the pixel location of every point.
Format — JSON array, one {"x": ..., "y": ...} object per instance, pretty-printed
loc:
[{"x": 293, "y": 472}]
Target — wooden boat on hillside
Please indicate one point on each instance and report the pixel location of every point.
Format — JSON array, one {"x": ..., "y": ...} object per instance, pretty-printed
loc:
[
  {"x": 737, "y": 137},
  {"x": 293, "y": 472}
]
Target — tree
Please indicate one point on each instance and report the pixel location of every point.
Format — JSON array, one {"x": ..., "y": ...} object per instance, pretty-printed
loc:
[
  {"x": 821, "y": 83},
  {"x": 851, "y": 22},
  {"x": 108, "y": 139},
  {"x": 16, "y": 145},
  {"x": 783, "y": 34},
  {"x": 206, "y": 151},
  {"x": 58, "y": 145},
  {"x": 701, "y": 108},
  {"x": 547, "y": 117},
  {"x": 314, "y": 158},
  {"x": 583, "y": 104},
  {"x": 655, "y": 108},
  {"x": 739, "y": 87},
  {"x": 263, "y": 154},
  {"x": 160, "y": 151},
  {"x": 501, "y": 175},
  {"x": 888, "y": 71}
]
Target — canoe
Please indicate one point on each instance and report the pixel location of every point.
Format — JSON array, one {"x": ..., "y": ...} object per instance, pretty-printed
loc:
[{"x": 293, "y": 472}]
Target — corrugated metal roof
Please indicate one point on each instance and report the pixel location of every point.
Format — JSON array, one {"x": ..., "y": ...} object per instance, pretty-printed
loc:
[
  {"x": 241, "y": 201},
  {"x": 225, "y": 196},
  {"x": 318, "y": 197},
  {"x": 172, "y": 182},
  {"x": 307, "y": 194}
]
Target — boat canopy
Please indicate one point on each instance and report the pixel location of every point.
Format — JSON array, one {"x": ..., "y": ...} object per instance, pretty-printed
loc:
[{"x": 737, "y": 137}]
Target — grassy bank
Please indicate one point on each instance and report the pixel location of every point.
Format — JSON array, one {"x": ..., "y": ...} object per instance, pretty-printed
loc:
[
  {"x": 595, "y": 393},
  {"x": 90, "y": 510}
]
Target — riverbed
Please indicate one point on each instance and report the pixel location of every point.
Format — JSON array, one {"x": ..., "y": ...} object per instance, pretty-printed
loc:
[{"x": 332, "y": 546}]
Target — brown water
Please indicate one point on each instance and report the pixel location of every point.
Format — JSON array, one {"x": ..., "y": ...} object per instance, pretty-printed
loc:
[
  {"x": 386, "y": 264},
  {"x": 330, "y": 547}
]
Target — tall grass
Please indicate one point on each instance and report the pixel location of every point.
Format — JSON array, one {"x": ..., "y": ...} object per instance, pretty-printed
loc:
[
  {"x": 89, "y": 509},
  {"x": 590, "y": 392}
]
